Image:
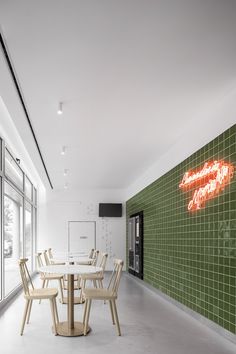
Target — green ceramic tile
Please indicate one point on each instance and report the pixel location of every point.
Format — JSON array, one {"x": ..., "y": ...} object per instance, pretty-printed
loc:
[{"x": 191, "y": 256}]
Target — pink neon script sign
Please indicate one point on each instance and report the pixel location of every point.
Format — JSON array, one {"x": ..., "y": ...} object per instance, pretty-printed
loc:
[{"x": 208, "y": 181}]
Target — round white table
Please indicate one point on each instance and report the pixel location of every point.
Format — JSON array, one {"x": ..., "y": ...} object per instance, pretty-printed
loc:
[
  {"x": 72, "y": 259},
  {"x": 70, "y": 328}
]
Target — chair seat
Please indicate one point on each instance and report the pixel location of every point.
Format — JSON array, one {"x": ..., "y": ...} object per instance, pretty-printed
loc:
[
  {"x": 99, "y": 294},
  {"x": 92, "y": 276},
  {"x": 42, "y": 293},
  {"x": 51, "y": 276}
]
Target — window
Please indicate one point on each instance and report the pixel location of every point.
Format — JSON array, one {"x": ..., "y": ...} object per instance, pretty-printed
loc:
[
  {"x": 35, "y": 197},
  {"x": 13, "y": 237},
  {"x": 28, "y": 188},
  {"x": 1, "y": 154},
  {"x": 13, "y": 171},
  {"x": 18, "y": 221},
  {"x": 1, "y": 290},
  {"x": 28, "y": 234},
  {"x": 34, "y": 229}
]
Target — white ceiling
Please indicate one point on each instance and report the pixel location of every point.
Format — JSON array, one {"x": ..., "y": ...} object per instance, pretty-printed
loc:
[{"x": 131, "y": 75}]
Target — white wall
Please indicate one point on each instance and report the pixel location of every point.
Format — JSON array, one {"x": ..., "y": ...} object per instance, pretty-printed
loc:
[
  {"x": 219, "y": 116},
  {"x": 64, "y": 206}
]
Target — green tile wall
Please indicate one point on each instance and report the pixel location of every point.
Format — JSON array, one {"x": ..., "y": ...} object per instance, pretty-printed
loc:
[{"x": 191, "y": 256}]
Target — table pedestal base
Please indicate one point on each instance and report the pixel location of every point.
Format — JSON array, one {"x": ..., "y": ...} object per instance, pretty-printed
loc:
[{"x": 78, "y": 330}]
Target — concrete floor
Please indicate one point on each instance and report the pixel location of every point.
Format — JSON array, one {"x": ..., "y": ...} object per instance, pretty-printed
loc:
[{"x": 149, "y": 324}]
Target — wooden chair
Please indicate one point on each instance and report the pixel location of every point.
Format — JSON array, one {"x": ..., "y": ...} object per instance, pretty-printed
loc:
[
  {"x": 90, "y": 255},
  {"x": 95, "y": 278},
  {"x": 109, "y": 294},
  {"x": 93, "y": 261},
  {"x": 46, "y": 277},
  {"x": 50, "y": 254},
  {"x": 50, "y": 257},
  {"x": 95, "y": 258},
  {"x": 30, "y": 294}
]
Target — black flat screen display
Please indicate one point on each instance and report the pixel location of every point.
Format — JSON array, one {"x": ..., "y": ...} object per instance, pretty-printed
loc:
[{"x": 110, "y": 209}]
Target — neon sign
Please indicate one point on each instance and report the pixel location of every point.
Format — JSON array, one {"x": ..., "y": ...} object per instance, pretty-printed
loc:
[{"x": 208, "y": 182}]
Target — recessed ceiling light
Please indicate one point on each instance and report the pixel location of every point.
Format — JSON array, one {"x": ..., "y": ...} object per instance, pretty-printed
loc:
[
  {"x": 60, "y": 111},
  {"x": 65, "y": 173},
  {"x": 66, "y": 186},
  {"x": 63, "y": 150}
]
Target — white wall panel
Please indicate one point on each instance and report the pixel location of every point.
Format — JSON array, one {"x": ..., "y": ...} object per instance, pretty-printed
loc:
[{"x": 65, "y": 206}]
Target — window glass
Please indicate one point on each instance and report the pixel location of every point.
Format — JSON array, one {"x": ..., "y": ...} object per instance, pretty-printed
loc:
[
  {"x": 34, "y": 228},
  {"x": 35, "y": 196},
  {"x": 28, "y": 234},
  {"x": 18, "y": 236},
  {"x": 28, "y": 188},
  {"x": 0, "y": 237},
  {"x": 1, "y": 154},
  {"x": 13, "y": 237},
  {"x": 13, "y": 171}
]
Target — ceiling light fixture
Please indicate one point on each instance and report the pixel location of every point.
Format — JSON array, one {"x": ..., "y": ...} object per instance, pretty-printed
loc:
[
  {"x": 63, "y": 150},
  {"x": 65, "y": 173},
  {"x": 60, "y": 111},
  {"x": 66, "y": 186}
]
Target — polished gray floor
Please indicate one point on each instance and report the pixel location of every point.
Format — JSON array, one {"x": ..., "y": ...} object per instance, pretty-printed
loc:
[{"x": 149, "y": 324}]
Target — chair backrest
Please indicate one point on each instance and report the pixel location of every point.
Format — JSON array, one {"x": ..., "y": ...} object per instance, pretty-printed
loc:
[
  {"x": 50, "y": 253},
  {"x": 95, "y": 257},
  {"x": 103, "y": 261},
  {"x": 39, "y": 259},
  {"x": 40, "y": 262},
  {"x": 116, "y": 275},
  {"x": 25, "y": 277},
  {"x": 91, "y": 253},
  {"x": 47, "y": 261}
]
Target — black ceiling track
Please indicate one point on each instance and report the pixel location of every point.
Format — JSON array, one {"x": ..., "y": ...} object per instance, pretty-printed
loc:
[{"x": 23, "y": 103}]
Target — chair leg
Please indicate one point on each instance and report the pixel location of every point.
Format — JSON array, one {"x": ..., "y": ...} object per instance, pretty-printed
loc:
[
  {"x": 24, "y": 317},
  {"x": 83, "y": 282},
  {"x": 87, "y": 316},
  {"x": 101, "y": 286},
  {"x": 116, "y": 317},
  {"x": 85, "y": 309},
  {"x": 29, "y": 310},
  {"x": 55, "y": 309},
  {"x": 61, "y": 291},
  {"x": 112, "y": 314},
  {"x": 95, "y": 283},
  {"x": 79, "y": 282},
  {"x": 53, "y": 315},
  {"x": 63, "y": 282},
  {"x": 43, "y": 284}
]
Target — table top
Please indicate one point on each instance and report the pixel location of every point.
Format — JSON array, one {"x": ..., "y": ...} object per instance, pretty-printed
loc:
[{"x": 70, "y": 269}]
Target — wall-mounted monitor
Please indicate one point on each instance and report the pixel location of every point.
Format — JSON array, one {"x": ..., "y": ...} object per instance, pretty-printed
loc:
[{"x": 110, "y": 209}]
